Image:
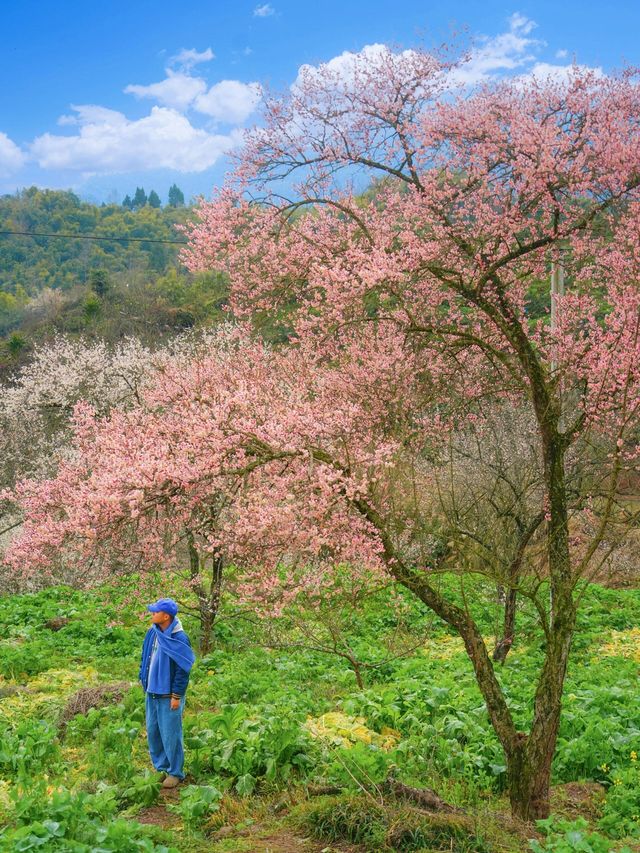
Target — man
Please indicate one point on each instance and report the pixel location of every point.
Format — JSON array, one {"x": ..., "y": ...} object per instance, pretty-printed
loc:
[{"x": 167, "y": 658}]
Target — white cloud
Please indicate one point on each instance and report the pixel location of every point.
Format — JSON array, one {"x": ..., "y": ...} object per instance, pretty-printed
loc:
[
  {"x": 490, "y": 57},
  {"x": 108, "y": 142},
  {"x": 345, "y": 64},
  {"x": 520, "y": 23},
  {"x": 229, "y": 101},
  {"x": 177, "y": 90},
  {"x": 513, "y": 53},
  {"x": 505, "y": 52},
  {"x": 101, "y": 141},
  {"x": 264, "y": 11},
  {"x": 559, "y": 73},
  {"x": 188, "y": 57},
  {"x": 105, "y": 141},
  {"x": 12, "y": 158}
]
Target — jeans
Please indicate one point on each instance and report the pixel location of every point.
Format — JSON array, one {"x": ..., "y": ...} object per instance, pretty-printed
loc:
[{"x": 164, "y": 733}]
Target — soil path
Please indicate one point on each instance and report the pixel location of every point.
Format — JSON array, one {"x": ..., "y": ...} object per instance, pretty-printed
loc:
[{"x": 258, "y": 838}]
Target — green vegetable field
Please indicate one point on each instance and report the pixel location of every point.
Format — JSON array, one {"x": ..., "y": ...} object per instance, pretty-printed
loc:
[{"x": 285, "y": 752}]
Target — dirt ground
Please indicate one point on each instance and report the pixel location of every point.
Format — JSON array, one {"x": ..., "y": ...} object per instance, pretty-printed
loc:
[{"x": 258, "y": 838}]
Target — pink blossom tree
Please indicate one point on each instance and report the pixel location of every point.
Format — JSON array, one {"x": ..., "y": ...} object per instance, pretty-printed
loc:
[
  {"x": 36, "y": 403},
  {"x": 69, "y": 383},
  {"x": 477, "y": 194},
  {"x": 213, "y": 460}
]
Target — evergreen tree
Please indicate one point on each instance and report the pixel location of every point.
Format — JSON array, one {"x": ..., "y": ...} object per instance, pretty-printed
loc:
[
  {"x": 154, "y": 199},
  {"x": 127, "y": 202},
  {"x": 99, "y": 282},
  {"x": 16, "y": 344},
  {"x": 140, "y": 198},
  {"x": 176, "y": 196}
]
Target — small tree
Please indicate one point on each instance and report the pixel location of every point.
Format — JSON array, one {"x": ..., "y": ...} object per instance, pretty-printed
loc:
[
  {"x": 154, "y": 199},
  {"x": 139, "y": 199},
  {"x": 36, "y": 406},
  {"x": 176, "y": 196},
  {"x": 16, "y": 344},
  {"x": 99, "y": 282}
]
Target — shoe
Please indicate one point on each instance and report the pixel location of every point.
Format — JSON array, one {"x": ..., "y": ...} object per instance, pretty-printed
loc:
[{"x": 170, "y": 782}]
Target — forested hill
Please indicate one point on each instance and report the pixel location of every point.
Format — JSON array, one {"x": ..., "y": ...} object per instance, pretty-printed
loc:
[
  {"x": 105, "y": 288},
  {"x": 34, "y": 264}
]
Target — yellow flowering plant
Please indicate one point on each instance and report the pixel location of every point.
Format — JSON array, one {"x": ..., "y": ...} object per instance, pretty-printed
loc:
[{"x": 621, "y": 814}]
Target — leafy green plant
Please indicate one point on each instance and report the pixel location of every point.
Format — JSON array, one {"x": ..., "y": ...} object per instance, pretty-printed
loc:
[
  {"x": 50, "y": 836},
  {"x": 621, "y": 816},
  {"x": 197, "y": 803},
  {"x": 248, "y": 749},
  {"x": 28, "y": 749},
  {"x": 21, "y": 661},
  {"x": 143, "y": 790},
  {"x": 361, "y": 766},
  {"x": 110, "y": 754},
  {"x": 564, "y": 836},
  {"x": 246, "y": 728},
  {"x": 72, "y": 822}
]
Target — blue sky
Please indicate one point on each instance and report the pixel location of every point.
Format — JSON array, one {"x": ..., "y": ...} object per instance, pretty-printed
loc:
[{"x": 103, "y": 97}]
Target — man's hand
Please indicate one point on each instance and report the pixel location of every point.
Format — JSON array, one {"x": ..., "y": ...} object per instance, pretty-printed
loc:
[{"x": 175, "y": 704}]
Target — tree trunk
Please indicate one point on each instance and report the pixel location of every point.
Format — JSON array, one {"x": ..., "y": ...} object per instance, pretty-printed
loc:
[
  {"x": 209, "y": 605},
  {"x": 503, "y": 646},
  {"x": 208, "y": 600},
  {"x": 529, "y": 780},
  {"x": 529, "y": 757},
  {"x": 529, "y": 762}
]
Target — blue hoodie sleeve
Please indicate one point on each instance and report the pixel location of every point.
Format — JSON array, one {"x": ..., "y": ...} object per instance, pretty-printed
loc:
[{"x": 180, "y": 676}]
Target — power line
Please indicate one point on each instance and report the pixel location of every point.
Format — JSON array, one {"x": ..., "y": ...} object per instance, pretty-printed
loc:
[{"x": 94, "y": 237}]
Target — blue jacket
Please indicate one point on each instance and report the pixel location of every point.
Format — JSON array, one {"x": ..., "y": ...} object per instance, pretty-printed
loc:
[{"x": 169, "y": 679}]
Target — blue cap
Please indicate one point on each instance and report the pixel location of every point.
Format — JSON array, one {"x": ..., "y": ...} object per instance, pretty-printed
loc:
[{"x": 167, "y": 605}]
